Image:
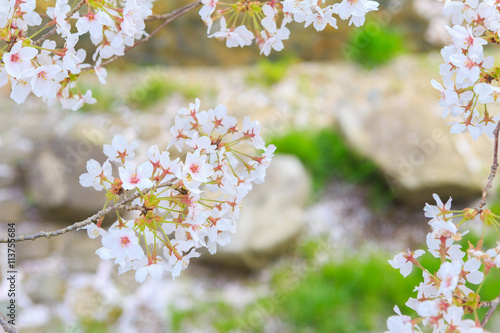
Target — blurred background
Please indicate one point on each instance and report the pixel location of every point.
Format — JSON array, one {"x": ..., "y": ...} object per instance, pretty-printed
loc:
[{"x": 361, "y": 147}]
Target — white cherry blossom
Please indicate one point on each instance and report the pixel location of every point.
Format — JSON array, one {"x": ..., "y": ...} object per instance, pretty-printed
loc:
[
  {"x": 120, "y": 150},
  {"x": 239, "y": 36},
  {"x": 403, "y": 261},
  {"x": 133, "y": 178},
  {"x": 122, "y": 244},
  {"x": 18, "y": 60},
  {"x": 94, "y": 24},
  {"x": 96, "y": 174}
]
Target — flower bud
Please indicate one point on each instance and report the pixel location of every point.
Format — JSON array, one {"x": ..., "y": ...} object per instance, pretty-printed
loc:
[
  {"x": 486, "y": 216},
  {"x": 470, "y": 213}
]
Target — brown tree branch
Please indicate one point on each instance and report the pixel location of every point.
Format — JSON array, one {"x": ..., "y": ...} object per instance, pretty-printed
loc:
[
  {"x": 494, "y": 168},
  {"x": 489, "y": 304},
  {"x": 159, "y": 16},
  {"x": 53, "y": 30},
  {"x": 6, "y": 326},
  {"x": 81, "y": 224}
]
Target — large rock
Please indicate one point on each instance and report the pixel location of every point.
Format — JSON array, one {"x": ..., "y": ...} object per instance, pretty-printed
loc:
[
  {"x": 398, "y": 123},
  {"x": 53, "y": 179},
  {"x": 271, "y": 218},
  {"x": 45, "y": 288}
]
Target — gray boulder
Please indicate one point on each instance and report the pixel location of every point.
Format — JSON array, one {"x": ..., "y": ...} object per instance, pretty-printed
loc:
[
  {"x": 398, "y": 124},
  {"x": 52, "y": 179}
]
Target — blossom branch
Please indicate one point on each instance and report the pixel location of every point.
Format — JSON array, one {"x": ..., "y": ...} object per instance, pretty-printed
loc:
[
  {"x": 494, "y": 168},
  {"x": 53, "y": 30},
  {"x": 6, "y": 326},
  {"x": 490, "y": 304},
  {"x": 81, "y": 224},
  {"x": 169, "y": 18}
]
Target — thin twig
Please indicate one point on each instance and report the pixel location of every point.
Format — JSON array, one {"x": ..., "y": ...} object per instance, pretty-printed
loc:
[
  {"x": 494, "y": 168},
  {"x": 158, "y": 17},
  {"x": 53, "y": 30},
  {"x": 169, "y": 18},
  {"x": 492, "y": 305},
  {"x": 6, "y": 326},
  {"x": 129, "y": 207},
  {"x": 81, "y": 224}
]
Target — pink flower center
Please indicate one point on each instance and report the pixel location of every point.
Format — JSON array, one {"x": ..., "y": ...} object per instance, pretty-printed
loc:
[
  {"x": 469, "y": 41},
  {"x": 195, "y": 168},
  {"x": 91, "y": 16},
  {"x": 15, "y": 58},
  {"x": 42, "y": 75},
  {"x": 124, "y": 241},
  {"x": 469, "y": 64},
  {"x": 134, "y": 179},
  {"x": 448, "y": 281}
]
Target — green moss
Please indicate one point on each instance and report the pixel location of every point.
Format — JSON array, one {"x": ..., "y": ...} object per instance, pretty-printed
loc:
[
  {"x": 374, "y": 44},
  {"x": 353, "y": 296},
  {"x": 157, "y": 88},
  {"x": 326, "y": 155},
  {"x": 356, "y": 295},
  {"x": 221, "y": 316},
  {"x": 151, "y": 90},
  {"x": 178, "y": 317},
  {"x": 107, "y": 98},
  {"x": 92, "y": 326},
  {"x": 267, "y": 73}
]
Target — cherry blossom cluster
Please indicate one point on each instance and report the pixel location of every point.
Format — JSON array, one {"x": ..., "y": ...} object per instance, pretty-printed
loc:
[
  {"x": 183, "y": 205},
  {"x": 444, "y": 296},
  {"x": 470, "y": 80},
  {"x": 50, "y": 69},
  {"x": 48, "y": 61},
  {"x": 242, "y": 21}
]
